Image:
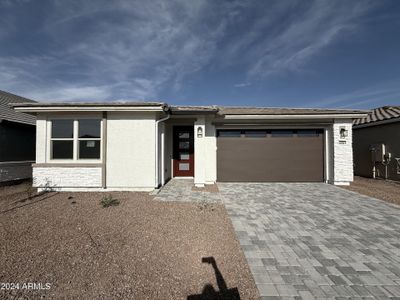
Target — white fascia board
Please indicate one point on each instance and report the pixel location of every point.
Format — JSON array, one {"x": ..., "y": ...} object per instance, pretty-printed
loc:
[
  {"x": 88, "y": 108},
  {"x": 293, "y": 117}
]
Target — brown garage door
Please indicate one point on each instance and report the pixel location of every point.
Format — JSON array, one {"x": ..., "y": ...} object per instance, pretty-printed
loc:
[{"x": 270, "y": 155}]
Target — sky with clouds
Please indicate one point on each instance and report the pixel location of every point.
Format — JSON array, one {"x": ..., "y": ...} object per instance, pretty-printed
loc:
[{"x": 319, "y": 53}]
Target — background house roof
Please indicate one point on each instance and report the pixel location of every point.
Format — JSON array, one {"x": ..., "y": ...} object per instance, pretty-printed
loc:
[
  {"x": 9, "y": 114},
  {"x": 378, "y": 115}
]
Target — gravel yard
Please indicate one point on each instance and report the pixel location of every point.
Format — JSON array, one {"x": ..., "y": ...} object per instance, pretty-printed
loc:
[
  {"x": 381, "y": 189},
  {"x": 140, "y": 249}
]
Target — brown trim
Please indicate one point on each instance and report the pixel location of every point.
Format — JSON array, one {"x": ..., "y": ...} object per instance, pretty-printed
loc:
[{"x": 67, "y": 165}]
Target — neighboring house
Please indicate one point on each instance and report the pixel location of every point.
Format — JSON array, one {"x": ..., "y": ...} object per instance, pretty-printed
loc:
[
  {"x": 17, "y": 140},
  {"x": 377, "y": 143},
  {"x": 140, "y": 145}
]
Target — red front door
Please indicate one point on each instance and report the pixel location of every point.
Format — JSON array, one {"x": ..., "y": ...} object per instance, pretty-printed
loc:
[{"x": 183, "y": 153}]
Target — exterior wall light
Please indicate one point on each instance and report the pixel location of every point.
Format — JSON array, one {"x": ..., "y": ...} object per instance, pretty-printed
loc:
[
  {"x": 344, "y": 133},
  {"x": 199, "y": 132}
]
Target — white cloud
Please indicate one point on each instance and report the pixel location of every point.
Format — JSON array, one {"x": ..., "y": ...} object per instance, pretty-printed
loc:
[
  {"x": 118, "y": 49},
  {"x": 387, "y": 92},
  {"x": 287, "y": 35},
  {"x": 87, "y": 93},
  {"x": 138, "y": 49},
  {"x": 242, "y": 84},
  {"x": 155, "y": 45}
]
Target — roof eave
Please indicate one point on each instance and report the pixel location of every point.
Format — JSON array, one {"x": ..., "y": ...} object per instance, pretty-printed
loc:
[
  {"x": 294, "y": 116},
  {"x": 193, "y": 112},
  {"x": 38, "y": 109}
]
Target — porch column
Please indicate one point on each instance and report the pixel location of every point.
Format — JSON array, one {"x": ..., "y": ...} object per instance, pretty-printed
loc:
[
  {"x": 199, "y": 152},
  {"x": 162, "y": 155},
  {"x": 342, "y": 152},
  {"x": 104, "y": 152}
]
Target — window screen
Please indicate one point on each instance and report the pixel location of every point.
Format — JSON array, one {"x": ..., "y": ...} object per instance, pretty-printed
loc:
[
  {"x": 62, "y": 149},
  {"x": 62, "y": 139},
  {"x": 89, "y": 149},
  {"x": 89, "y": 138},
  {"x": 89, "y": 128},
  {"x": 62, "y": 129}
]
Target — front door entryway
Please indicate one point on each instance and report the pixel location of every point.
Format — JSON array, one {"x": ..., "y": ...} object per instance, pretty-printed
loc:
[{"x": 183, "y": 151}]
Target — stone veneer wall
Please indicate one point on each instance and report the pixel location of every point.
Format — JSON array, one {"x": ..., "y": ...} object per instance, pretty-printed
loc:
[
  {"x": 65, "y": 177},
  {"x": 342, "y": 153}
]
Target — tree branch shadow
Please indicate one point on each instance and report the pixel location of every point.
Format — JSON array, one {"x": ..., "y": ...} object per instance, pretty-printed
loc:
[{"x": 30, "y": 203}]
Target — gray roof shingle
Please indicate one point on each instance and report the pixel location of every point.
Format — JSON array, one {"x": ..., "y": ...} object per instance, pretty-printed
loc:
[
  {"x": 389, "y": 112},
  {"x": 89, "y": 104},
  {"x": 232, "y": 110},
  {"x": 9, "y": 114},
  {"x": 187, "y": 109},
  {"x": 191, "y": 109}
]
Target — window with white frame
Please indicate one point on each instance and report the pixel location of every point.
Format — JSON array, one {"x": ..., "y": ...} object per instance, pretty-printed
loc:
[
  {"x": 62, "y": 139},
  {"x": 75, "y": 139},
  {"x": 89, "y": 139}
]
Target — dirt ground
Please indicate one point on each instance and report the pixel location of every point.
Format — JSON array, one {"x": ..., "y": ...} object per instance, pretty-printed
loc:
[
  {"x": 140, "y": 249},
  {"x": 381, "y": 189}
]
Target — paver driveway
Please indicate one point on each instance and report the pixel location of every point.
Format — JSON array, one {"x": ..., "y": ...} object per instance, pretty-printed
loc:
[{"x": 316, "y": 240}]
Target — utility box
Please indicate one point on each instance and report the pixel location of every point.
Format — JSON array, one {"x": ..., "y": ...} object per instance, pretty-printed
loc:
[{"x": 377, "y": 152}]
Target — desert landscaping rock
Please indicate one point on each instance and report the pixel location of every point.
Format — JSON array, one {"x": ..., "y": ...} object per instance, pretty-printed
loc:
[
  {"x": 378, "y": 188},
  {"x": 140, "y": 249}
]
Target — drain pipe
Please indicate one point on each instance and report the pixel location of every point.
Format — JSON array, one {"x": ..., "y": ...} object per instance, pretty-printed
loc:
[{"x": 166, "y": 110}]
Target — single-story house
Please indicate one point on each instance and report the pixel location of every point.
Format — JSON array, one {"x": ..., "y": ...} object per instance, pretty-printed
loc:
[
  {"x": 17, "y": 140},
  {"x": 377, "y": 144},
  {"x": 140, "y": 145}
]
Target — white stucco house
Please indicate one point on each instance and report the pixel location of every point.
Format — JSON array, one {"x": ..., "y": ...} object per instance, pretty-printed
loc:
[{"x": 140, "y": 145}]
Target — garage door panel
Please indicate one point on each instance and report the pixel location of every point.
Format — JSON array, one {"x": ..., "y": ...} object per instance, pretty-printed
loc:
[{"x": 272, "y": 159}]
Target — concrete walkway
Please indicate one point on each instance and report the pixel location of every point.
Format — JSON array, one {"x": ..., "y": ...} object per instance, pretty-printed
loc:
[
  {"x": 182, "y": 190},
  {"x": 306, "y": 241}
]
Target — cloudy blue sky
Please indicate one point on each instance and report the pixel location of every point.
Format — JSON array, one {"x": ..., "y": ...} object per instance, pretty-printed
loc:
[{"x": 266, "y": 53}]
